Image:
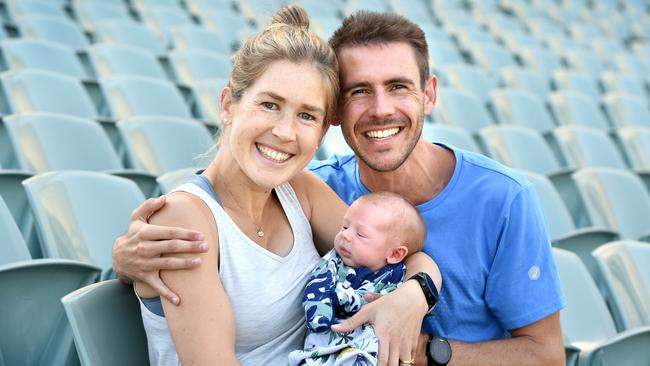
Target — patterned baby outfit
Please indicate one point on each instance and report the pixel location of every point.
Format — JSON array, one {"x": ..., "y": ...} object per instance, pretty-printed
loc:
[{"x": 334, "y": 292}]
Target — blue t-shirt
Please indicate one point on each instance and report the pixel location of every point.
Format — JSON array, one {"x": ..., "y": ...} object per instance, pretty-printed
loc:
[{"x": 488, "y": 235}]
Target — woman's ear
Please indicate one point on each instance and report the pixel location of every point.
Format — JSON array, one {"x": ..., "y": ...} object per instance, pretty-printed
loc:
[
  {"x": 397, "y": 254},
  {"x": 226, "y": 105}
]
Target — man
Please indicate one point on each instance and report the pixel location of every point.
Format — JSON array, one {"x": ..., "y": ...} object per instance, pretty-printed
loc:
[{"x": 501, "y": 299}]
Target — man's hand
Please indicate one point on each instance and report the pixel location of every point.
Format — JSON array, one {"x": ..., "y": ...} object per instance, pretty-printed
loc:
[
  {"x": 396, "y": 319},
  {"x": 137, "y": 255}
]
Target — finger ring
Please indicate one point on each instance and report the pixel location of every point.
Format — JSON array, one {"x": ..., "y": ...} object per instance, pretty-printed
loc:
[{"x": 409, "y": 362}]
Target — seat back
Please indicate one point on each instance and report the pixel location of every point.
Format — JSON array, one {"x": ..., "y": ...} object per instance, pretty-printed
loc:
[
  {"x": 576, "y": 108},
  {"x": 168, "y": 181},
  {"x": 107, "y": 325},
  {"x": 41, "y": 54},
  {"x": 585, "y": 319},
  {"x": 625, "y": 269},
  {"x": 636, "y": 145},
  {"x": 463, "y": 109},
  {"x": 12, "y": 244},
  {"x": 45, "y": 142},
  {"x": 118, "y": 59},
  {"x": 130, "y": 33},
  {"x": 55, "y": 29},
  {"x": 191, "y": 66},
  {"x": 615, "y": 199},
  {"x": 520, "y": 107},
  {"x": 162, "y": 144},
  {"x": 79, "y": 214},
  {"x": 447, "y": 134},
  {"x": 34, "y": 328},
  {"x": 584, "y": 146},
  {"x": 626, "y": 109}
]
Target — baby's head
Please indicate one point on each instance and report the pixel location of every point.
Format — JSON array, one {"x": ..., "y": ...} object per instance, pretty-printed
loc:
[{"x": 378, "y": 229}]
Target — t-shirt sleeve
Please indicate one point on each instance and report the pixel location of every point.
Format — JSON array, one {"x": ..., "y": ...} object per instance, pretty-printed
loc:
[{"x": 523, "y": 285}]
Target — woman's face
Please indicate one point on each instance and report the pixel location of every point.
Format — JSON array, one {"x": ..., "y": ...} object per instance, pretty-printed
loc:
[{"x": 275, "y": 128}]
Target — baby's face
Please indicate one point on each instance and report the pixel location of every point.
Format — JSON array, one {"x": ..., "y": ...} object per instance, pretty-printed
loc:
[{"x": 364, "y": 240}]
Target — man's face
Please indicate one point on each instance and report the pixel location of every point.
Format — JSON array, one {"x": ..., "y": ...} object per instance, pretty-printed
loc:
[{"x": 382, "y": 102}]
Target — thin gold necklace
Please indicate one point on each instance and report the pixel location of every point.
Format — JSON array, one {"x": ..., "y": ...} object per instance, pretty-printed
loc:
[{"x": 258, "y": 231}]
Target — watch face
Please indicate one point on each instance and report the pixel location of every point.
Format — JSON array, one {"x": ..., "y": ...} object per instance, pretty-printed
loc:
[{"x": 440, "y": 351}]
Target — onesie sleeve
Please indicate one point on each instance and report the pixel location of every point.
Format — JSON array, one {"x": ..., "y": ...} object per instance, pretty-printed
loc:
[{"x": 317, "y": 299}]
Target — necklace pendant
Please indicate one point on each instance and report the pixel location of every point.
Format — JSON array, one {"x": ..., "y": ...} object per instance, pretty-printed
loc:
[{"x": 260, "y": 233}]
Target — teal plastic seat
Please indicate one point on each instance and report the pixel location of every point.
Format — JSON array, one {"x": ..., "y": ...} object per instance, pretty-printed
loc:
[
  {"x": 118, "y": 59},
  {"x": 46, "y": 142},
  {"x": 52, "y": 28},
  {"x": 13, "y": 193},
  {"x": 562, "y": 229},
  {"x": 616, "y": 199},
  {"x": 41, "y": 54},
  {"x": 540, "y": 59},
  {"x": 207, "y": 94},
  {"x": 191, "y": 66},
  {"x": 79, "y": 214},
  {"x": 584, "y": 146},
  {"x": 161, "y": 18},
  {"x": 626, "y": 109},
  {"x": 128, "y": 32},
  {"x": 195, "y": 37},
  {"x": 163, "y": 144},
  {"x": 168, "y": 181},
  {"x": 107, "y": 325},
  {"x": 230, "y": 24},
  {"x": 635, "y": 142},
  {"x": 18, "y": 9},
  {"x": 625, "y": 274},
  {"x": 131, "y": 96},
  {"x": 453, "y": 135},
  {"x": 443, "y": 53},
  {"x": 492, "y": 56},
  {"x": 12, "y": 244},
  {"x": 90, "y": 13},
  {"x": 33, "y": 90},
  {"x": 520, "y": 107},
  {"x": 620, "y": 83},
  {"x": 588, "y": 325},
  {"x": 463, "y": 109},
  {"x": 565, "y": 80},
  {"x": 34, "y": 328},
  {"x": 469, "y": 78},
  {"x": 525, "y": 79},
  {"x": 576, "y": 108}
]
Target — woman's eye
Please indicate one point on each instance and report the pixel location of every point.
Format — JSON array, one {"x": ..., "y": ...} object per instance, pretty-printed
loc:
[
  {"x": 269, "y": 105},
  {"x": 306, "y": 116}
]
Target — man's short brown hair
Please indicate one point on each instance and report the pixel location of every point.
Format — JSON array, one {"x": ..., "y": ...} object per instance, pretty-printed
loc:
[{"x": 369, "y": 28}]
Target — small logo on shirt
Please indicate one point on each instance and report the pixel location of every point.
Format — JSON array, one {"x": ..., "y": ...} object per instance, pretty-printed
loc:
[{"x": 533, "y": 273}]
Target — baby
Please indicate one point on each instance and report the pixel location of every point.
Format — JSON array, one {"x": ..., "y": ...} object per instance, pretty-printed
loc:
[{"x": 379, "y": 230}]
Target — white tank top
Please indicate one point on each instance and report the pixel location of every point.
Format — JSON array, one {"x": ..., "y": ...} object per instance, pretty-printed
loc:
[{"x": 264, "y": 289}]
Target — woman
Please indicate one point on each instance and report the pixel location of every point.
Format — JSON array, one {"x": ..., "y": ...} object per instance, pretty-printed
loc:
[{"x": 265, "y": 219}]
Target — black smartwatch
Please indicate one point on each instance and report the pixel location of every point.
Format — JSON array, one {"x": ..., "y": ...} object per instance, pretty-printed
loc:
[
  {"x": 438, "y": 351},
  {"x": 428, "y": 288}
]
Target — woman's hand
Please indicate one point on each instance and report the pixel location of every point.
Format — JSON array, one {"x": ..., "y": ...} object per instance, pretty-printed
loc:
[
  {"x": 397, "y": 319},
  {"x": 137, "y": 255}
]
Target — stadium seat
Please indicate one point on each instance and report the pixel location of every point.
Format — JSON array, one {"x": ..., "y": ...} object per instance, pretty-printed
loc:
[
  {"x": 132, "y": 96},
  {"x": 130, "y": 33},
  {"x": 520, "y": 78},
  {"x": 13, "y": 193},
  {"x": 317, "y": 9},
  {"x": 462, "y": 108},
  {"x": 635, "y": 142},
  {"x": 79, "y": 214},
  {"x": 615, "y": 199},
  {"x": 333, "y": 143},
  {"x": 452, "y": 135},
  {"x": 584, "y": 146},
  {"x": 617, "y": 82},
  {"x": 46, "y": 142},
  {"x": 626, "y": 109},
  {"x": 19, "y": 54},
  {"x": 107, "y": 325},
  {"x": 191, "y": 66},
  {"x": 625, "y": 275},
  {"x": 632, "y": 64},
  {"x": 23, "y": 8},
  {"x": 160, "y": 19},
  {"x": 90, "y": 13},
  {"x": 55, "y": 29},
  {"x": 563, "y": 231},
  {"x": 162, "y": 144},
  {"x": 571, "y": 80},
  {"x": 443, "y": 53},
  {"x": 579, "y": 109},
  {"x": 519, "y": 107},
  {"x": 588, "y": 325},
  {"x": 353, "y": 6},
  {"x": 229, "y": 24},
  {"x": 585, "y": 61},
  {"x": 34, "y": 328},
  {"x": 195, "y": 37},
  {"x": 540, "y": 59},
  {"x": 417, "y": 11},
  {"x": 110, "y": 59},
  {"x": 207, "y": 94},
  {"x": 469, "y": 78},
  {"x": 32, "y": 90},
  {"x": 13, "y": 247},
  {"x": 492, "y": 57},
  {"x": 168, "y": 181}
]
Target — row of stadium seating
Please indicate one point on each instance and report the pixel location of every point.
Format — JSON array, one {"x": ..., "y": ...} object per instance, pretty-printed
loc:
[{"x": 558, "y": 89}]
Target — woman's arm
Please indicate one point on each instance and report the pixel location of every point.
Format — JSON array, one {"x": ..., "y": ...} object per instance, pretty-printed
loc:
[{"x": 203, "y": 325}]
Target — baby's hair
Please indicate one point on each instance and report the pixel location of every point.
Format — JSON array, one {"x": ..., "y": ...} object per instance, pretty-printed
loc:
[{"x": 410, "y": 226}]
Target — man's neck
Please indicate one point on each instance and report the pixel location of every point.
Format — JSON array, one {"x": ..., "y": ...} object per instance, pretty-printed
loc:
[{"x": 424, "y": 174}]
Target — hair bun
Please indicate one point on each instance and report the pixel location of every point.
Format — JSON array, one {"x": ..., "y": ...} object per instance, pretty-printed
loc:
[{"x": 292, "y": 15}]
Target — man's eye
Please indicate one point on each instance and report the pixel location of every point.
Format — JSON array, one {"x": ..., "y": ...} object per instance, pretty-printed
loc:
[
  {"x": 359, "y": 91},
  {"x": 306, "y": 116},
  {"x": 269, "y": 105}
]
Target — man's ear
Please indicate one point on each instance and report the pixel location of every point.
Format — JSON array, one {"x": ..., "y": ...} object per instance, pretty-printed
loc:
[
  {"x": 397, "y": 254},
  {"x": 430, "y": 94},
  {"x": 226, "y": 105}
]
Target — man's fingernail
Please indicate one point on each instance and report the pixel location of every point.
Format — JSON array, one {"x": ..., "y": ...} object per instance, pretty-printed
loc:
[
  {"x": 203, "y": 247},
  {"x": 175, "y": 300},
  {"x": 196, "y": 261}
]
